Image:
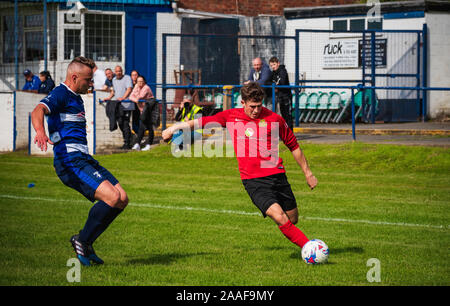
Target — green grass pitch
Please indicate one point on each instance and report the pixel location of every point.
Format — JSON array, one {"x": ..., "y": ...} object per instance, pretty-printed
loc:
[{"x": 190, "y": 221}]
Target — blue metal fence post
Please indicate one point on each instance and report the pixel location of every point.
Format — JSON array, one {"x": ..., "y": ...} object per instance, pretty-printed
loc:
[
  {"x": 14, "y": 121},
  {"x": 424, "y": 71},
  {"x": 418, "y": 76},
  {"x": 16, "y": 41},
  {"x": 29, "y": 133},
  {"x": 297, "y": 77},
  {"x": 353, "y": 115},
  {"x": 373, "y": 71},
  {"x": 274, "y": 102},
  {"x": 45, "y": 36},
  {"x": 94, "y": 122},
  {"x": 363, "y": 61},
  {"x": 164, "y": 90}
]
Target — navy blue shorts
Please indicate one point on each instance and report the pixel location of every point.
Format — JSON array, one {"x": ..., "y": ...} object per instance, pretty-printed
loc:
[{"x": 83, "y": 173}]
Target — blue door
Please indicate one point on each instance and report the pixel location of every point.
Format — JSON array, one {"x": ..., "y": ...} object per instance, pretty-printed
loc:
[{"x": 141, "y": 47}]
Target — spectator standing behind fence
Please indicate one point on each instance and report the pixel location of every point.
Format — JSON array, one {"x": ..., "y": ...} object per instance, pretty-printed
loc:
[
  {"x": 134, "y": 76},
  {"x": 47, "y": 83},
  {"x": 142, "y": 91},
  {"x": 261, "y": 74},
  {"x": 121, "y": 90},
  {"x": 136, "y": 113},
  {"x": 99, "y": 78},
  {"x": 32, "y": 82},
  {"x": 188, "y": 111},
  {"x": 109, "y": 77},
  {"x": 283, "y": 96}
]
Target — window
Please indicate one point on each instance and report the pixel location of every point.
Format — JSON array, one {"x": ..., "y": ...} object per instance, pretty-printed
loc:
[
  {"x": 53, "y": 33},
  {"x": 9, "y": 39},
  {"x": 30, "y": 41},
  {"x": 357, "y": 24},
  {"x": 34, "y": 21},
  {"x": 103, "y": 37},
  {"x": 34, "y": 45},
  {"x": 339, "y": 25},
  {"x": 72, "y": 42}
]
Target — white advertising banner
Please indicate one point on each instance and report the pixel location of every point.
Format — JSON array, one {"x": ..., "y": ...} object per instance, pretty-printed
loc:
[{"x": 340, "y": 54}]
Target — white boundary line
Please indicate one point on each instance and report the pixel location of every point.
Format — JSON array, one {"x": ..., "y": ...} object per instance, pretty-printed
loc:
[{"x": 233, "y": 212}]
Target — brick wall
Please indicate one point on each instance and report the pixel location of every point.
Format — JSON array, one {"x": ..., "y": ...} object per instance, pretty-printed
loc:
[{"x": 254, "y": 7}]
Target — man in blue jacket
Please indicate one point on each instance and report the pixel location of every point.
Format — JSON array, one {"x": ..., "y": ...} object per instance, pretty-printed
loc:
[{"x": 32, "y": 82}]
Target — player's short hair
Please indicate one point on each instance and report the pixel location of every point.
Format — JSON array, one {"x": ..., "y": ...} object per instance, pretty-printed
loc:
[
  {"x": 274, "y": 59},
  {"x": 81, "y": 60},
  {"x": 252, "y": 92}
]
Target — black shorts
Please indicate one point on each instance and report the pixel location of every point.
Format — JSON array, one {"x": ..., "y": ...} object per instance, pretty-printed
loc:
[{"x": 265, "y": 191}]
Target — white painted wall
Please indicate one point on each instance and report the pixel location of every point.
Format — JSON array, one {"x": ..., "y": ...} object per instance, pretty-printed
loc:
[
  {"x": 26, "y": 102},
  {"x": 168, "y": 23},
  {"x": 6, "y": 122},
  {"x": 438, "y": 62},
  {"x": 311, "y": 59}
]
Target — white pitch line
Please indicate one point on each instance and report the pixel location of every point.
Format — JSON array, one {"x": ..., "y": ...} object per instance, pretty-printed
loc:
[{"x": 233, "y": 212}]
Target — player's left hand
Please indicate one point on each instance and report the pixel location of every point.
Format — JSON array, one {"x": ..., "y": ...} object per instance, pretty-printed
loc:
[
  {"x": 167, "y": 134},
  {"x": 311, "y": 180}
]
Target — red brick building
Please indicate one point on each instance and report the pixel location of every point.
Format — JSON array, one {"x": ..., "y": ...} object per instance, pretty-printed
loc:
[{"x": 253, "y": 7}]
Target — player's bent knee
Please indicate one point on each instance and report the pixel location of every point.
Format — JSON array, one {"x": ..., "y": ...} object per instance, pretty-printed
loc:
[
  {"x": 114, "y": 198},
  {"x": 294, "y": 220},
  {"x": 123, "y": 200}
]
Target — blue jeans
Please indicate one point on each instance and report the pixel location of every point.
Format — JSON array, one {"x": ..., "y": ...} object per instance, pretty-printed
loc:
[{"x": 178, "y": 138}]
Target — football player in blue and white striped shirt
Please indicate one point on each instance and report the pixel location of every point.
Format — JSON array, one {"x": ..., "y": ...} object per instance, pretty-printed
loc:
[{"x": 66, "y": 120}]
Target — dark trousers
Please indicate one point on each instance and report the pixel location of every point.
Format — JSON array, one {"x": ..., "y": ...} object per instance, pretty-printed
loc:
[
  {"x": 145, "y": 123},
  {"x": 286, "y": 110},
  {"x": 144, "y": 126},
  {"x": 124, "y": 125}
]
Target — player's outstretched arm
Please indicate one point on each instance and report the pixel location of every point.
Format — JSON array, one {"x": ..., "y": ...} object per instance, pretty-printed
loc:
[
  {"x": 37, "y": 119},
  {"x": 300, "y": 158},
  {"x": 167, "y": 133}
]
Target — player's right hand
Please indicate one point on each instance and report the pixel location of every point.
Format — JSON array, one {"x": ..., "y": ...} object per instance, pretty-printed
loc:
[{"x": 41, "y": 140}]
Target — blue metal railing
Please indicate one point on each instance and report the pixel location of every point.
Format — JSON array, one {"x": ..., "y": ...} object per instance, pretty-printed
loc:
[{"x": 296, "y": 87}]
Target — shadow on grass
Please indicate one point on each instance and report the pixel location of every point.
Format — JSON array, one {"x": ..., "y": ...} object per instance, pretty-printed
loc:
[
  {"x": 162, "y": 259},
  {"x": 356, "y": 250}
]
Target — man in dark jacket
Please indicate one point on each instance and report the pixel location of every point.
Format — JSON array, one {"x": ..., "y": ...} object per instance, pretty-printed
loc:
[{"x": 283, "y": 95}]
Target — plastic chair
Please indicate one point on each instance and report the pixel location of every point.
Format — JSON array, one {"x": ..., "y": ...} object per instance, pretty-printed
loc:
[
  {"x": 302, "y": 105},
  {"x": 333, "y": 106},
  {"x": 237, "y": 100},
  {"x": 322, "y": 107},
  {"x": 218, "y": 99},
  {"x": 313, "y": 100}
]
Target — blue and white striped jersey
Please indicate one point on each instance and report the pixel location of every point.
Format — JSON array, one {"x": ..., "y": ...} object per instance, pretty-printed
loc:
[{"x": 66, "y": 122}]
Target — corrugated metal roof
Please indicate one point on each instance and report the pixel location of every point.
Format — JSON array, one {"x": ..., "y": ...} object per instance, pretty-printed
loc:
[{"x": 145, "y": 2}]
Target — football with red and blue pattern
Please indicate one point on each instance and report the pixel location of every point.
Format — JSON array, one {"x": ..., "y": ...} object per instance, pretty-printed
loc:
[{"x": 315, "y": 251}]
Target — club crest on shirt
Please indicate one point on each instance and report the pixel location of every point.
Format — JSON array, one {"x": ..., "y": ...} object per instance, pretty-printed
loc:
[{"x": 249, "y": 132}]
